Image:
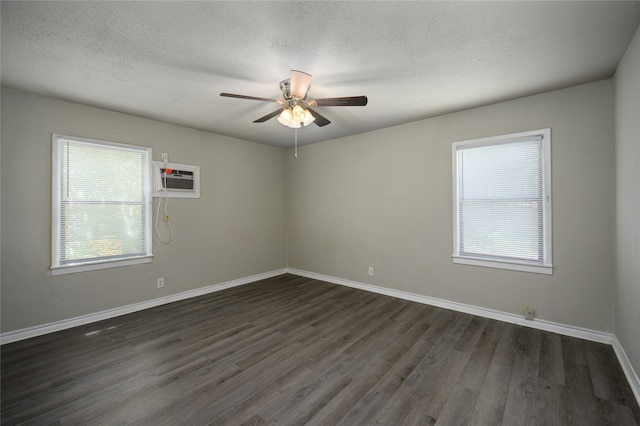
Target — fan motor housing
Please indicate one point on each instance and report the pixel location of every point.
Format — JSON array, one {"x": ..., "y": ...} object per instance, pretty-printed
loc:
[{"x": 285, "y": 86}]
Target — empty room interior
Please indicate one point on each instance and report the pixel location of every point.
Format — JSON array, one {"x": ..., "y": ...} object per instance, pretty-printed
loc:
[{"x": 320, "y": 213}]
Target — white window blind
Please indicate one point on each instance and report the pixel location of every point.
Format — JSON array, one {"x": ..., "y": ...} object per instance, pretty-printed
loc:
[
  {"x": 101, "y": 204},
  {"x": 501, "y": 201}
]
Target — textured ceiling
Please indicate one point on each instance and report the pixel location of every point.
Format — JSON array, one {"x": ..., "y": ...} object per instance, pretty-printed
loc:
[{"x": 170, "y": 60}]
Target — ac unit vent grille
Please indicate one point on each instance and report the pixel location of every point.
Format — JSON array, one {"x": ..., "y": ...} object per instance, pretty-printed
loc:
[{"x": 177, "y": 179}]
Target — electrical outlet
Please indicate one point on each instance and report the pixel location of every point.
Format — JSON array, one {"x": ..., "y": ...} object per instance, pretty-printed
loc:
[
  {"x": 528, "y": 312},
  {"x": 370, "y": 271},
  {"x": 160, "y": 282}
]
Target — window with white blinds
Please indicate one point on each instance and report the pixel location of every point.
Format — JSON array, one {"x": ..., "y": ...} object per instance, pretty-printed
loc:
[
  {"x": 502, "y": 201},
  {"x": 101, "y": 205}
]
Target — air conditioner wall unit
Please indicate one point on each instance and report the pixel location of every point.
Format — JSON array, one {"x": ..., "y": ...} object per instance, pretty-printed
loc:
[{"x": 182, "y": 181}]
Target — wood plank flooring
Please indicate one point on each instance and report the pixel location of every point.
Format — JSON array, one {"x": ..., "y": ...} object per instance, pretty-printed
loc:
[{"x": 292, "y": 350}]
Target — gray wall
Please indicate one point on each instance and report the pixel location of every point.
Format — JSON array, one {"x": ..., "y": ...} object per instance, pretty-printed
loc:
[
  {"x": 627, "y": 298},
  {"x": 383, "y": 199},
  {"x": 235, "y": 230}
]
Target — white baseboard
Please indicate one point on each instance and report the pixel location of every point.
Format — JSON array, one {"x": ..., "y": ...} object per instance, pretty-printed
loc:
[
  {"x": 39, "y": 330},
  {"x": 629, "y": 372},
  {"x": 567, "y": 330}
]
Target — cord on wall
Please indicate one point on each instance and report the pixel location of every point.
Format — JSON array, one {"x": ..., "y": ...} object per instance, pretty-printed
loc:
[{"x": 165, "y": 160}]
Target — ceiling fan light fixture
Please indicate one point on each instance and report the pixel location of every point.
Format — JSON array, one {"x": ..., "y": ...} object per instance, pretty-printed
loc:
[
  {"x": 295, "y": 117},
  {"x": 298, "y": 114},
  {"x": 294, "y": 99},
  {"x": 308, "y": 118},
  {"x": 286, "y": 118}
]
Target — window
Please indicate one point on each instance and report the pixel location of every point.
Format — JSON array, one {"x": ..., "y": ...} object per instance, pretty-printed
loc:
[
  {"x": 101, "y": 205},
  {"x": 502, "y": 202}
]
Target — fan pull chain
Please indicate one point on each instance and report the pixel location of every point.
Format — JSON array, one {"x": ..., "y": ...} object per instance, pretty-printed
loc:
[{"x": 296, "y": 141}]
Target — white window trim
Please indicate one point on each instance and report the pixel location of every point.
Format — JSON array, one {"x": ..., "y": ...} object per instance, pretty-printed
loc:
[
  {"x": 71, "y": 268},
  {"x": 94, "y": 266},
  {"x": 547, "y": 266}
]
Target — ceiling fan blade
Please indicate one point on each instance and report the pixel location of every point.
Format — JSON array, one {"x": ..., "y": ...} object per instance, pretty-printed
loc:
[
  {"x": 254, "y": 98},
  {"x": 268, "y": 116},
  {"x": 345, "y": 101},
  {"x": 299, "y": 84},
  {"x": 319, "y": 119}
]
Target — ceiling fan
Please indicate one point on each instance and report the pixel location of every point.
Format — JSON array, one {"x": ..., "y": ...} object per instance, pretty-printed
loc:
[{"x": 295, "y": 111}]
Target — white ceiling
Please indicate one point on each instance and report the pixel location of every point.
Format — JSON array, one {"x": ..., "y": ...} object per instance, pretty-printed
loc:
[{"x": 170, "y": 60}]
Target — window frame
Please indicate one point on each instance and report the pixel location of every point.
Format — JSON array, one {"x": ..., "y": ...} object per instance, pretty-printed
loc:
[
  {"x": 544, "y": 267},
  {"x": 56, "y": 267}
]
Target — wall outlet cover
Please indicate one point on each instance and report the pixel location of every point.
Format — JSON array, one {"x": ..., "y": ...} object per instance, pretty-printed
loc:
[{"x": 528, "y": 313}]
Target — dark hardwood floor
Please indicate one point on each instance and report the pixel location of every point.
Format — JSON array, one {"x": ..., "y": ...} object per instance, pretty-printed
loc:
[{"x": 292, "y": 350}]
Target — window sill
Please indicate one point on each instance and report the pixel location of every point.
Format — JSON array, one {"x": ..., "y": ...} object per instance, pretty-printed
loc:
[
  {"x": 72, "y": 269},
  {"x": 513, "y": 266}
]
